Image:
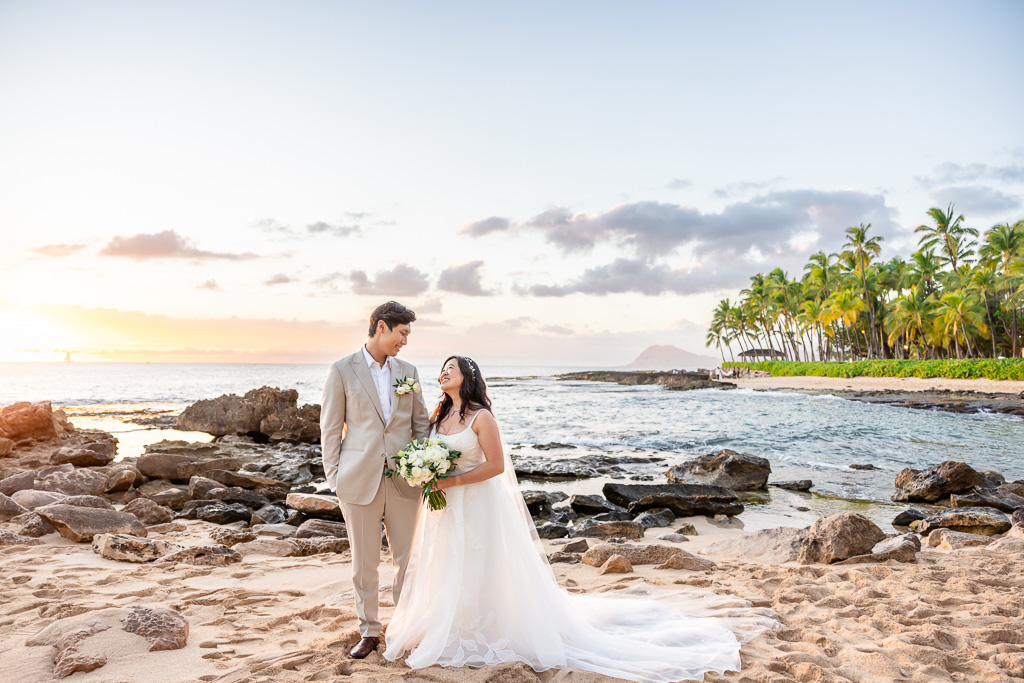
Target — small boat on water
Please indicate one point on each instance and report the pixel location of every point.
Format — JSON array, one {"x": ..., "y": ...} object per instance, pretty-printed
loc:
[{"x": 67, "y": 356}]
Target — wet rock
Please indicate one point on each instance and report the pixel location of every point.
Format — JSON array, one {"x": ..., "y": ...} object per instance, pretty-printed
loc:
[
  {"x": 635, "y": 553},
  {"x": 542, "y": 502},
  {"x": 1015, "y": 487},
  {"x": 798, "y": 485},
  {"x": 726, "y": 468},
  {"x": 984, "y": 497},
  {"x": 313, "y": 505},
  {"x": 977, "y": 520},
  {"x": 224, "y": 513},
  {"x": 209, "y": 556},
  {"x": 10, "y": 538},
  {"x": 82, "y": 524},
  {"x": 318, "y": 528},
  {"x": 30, "y": 499},
  {"x": 550, "y": 530},
  {"x": 907, "y": 516},
  {"x": 78, "y": 482},
  {"x": 591, "y": 529},
  {"x": 616, "y": 564},
  {"x": 32, "y": 525},
  {"x": 613, "y": 517},
  {"x": 838, "y": 537},
  {"x": 673, "y": 538},
  {"x": 22, "y": 421},
  {"x": 148, "y": 512},
  {"x": 554, "y": 445},
  {"x": 165, "y": 629},
  {"x": 9, "y": 509},
  {"x": 593, "y": 505},
  {"x": 124, "y": 548},
  {"x": 231, "y": 537},
  {"x": 268, "y": 514},
  {"x": 935, "y": 482},
  {"x": 658, "y": 517},
  {"x": 121, "y": 479},
  {"x": 991, "y": 480},
  {"x": 765, "y": 546},
  {"x": 685, "y": 500},
  {"x": 18, "y": 482},
  {"x": 862, "y": 466},
  {"x": 947, "y": 539},
  {"x": 562, "y": 557}
]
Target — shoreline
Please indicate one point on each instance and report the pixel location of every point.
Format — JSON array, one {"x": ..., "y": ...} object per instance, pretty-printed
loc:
[{"x": 988, "y": 388}]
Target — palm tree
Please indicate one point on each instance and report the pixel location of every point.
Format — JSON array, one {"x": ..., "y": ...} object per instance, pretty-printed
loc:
[
  {"x": 923, "y": 269},
  {"x": 947, "y": 233},
  {"x": 960, "y": 312},
  {"x": 1003, "y": 244},
  {"x": 862, "y": 248}
]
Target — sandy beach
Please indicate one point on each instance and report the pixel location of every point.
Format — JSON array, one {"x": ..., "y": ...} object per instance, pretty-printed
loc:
[
  {"x": 896, "y": 384},
  {"x": 953, "y": 616}
]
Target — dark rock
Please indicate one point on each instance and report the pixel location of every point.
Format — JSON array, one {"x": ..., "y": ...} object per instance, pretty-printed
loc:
[
  {"x": 542, "y": 502},
  {"x": 725, "y": 468},
  {"x": 562, "y": 557},
  {"x": 838, "y": 537},
  {"x": 613, "y": 517},
  {"x": 243, "y": 480},
  {"x": 862, "y": 466},
  {"x": 554, "y": 445},
  {"x": 580, "y": 545},
  {"x": 148, "y": 512},
  {"x": 935, "y": 482},
  {"x": 236, "y": 494},
  {"x": 976, "y": 520},
  {"x": 991, "y": 480},
  {"x": 268, "y": 514},
  {"x": 989, "y": 498},
  {"x": 591, "y": 529},
  {"x": 199, "y": 487},
  {"x": 82, "y": 524},
  {"x": 593, "y": 505},
  {"x": 798, "y": 485},
  {"x": 318, "y": 528},
  {"x": 224, "y": 513},
  {"x": 6, "y": 446},
  {"x": 552, "y": 530},
  {"x": 18, "y": 482},
  {"x": 685, "y": 500},
  {"x": 908, "y": 516},
  {"x": 656, "y": 518}
]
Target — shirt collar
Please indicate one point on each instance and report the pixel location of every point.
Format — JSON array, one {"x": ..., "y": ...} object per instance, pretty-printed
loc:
[{"x": 371, "y": 363}]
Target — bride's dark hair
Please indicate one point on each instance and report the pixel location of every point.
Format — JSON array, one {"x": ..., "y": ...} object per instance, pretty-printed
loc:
[{"x": 473, "y": 391}]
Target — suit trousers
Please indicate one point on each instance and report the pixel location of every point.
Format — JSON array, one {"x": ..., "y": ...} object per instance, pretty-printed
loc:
[{"x": 363, "y": 523}]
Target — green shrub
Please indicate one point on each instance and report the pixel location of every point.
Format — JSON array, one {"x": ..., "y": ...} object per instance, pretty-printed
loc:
[{"x": 987, "y": 368}]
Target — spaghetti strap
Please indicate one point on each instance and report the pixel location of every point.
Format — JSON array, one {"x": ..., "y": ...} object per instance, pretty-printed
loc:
[{"x": 473, "y": 419}]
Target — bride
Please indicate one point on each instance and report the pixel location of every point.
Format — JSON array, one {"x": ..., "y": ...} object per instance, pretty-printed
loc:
[{"x": 479, "y": 590}]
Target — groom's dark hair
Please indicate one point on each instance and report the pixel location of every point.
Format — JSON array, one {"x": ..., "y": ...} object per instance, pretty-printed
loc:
[{"x": 392, "y": 313}]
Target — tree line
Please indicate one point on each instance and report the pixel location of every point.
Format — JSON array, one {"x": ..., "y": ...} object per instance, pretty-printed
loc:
[{"x": 960, "y": 295}]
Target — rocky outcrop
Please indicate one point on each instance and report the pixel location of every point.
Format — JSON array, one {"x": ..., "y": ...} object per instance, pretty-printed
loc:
[
  {"x": 838, "y": 537},
  {"x": 100, "y": 449},
  {"x": 984, "y": 521},
  {"x": 32, "y": 421},
  {"x": 674, "y": 380},
  {"x": 266, "y": 411},
  {"x": 766, "y": 546},
  {"x": 685, "y": 500},
  {"x": 593, "y": 505},
  {"x": 314, "y": 505},
  {"x": 645, "y": 554},
  {"x": 124, "y": 548},
  {"x": 796, "y": 485},
  {"x": 1007, "y": 501},
  {"x": 541, "y": 503},
  {"x": 81, "y": 524},
  {"x": 181, "y": 468},
  {"x": 244, "y": 480},
  {"x": 725, "y": 468},
  {"x": 74, "y": 483},
  {"x": 938, "y": 481}
]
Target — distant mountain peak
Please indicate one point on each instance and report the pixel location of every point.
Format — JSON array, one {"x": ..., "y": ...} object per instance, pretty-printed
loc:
[{"x": 672, "y": 358}]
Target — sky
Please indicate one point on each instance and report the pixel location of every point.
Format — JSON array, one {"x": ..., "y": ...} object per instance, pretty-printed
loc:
[{"x": 543, "y": 183}]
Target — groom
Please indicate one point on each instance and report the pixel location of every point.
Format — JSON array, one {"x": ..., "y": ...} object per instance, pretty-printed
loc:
[{"x": 363, "y": 422}]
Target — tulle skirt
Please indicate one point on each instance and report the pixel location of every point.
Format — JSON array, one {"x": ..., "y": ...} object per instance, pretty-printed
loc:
[{"x": 479, "y": 591}]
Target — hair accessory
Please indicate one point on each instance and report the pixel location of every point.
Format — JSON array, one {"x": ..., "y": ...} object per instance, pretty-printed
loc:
[{"x": 471, "y": 364}]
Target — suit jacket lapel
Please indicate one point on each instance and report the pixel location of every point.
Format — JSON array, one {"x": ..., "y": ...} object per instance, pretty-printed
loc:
[
  {"x": 396, "y": 374},
  {"x": 363, "y": 373}
]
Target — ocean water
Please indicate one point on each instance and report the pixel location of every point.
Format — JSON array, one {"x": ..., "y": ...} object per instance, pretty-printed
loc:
[{"x": 804, "y": 437}]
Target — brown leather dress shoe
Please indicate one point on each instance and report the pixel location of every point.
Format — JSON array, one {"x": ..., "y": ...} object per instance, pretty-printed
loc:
[{"x": 364, "y": 647}]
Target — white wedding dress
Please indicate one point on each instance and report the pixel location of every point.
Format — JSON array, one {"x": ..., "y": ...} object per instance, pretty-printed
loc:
[{"x": 479, "y": 591}]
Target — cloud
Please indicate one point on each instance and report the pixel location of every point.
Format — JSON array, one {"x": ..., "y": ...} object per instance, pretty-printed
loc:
[
  {"x": 272, "y": 225},
  {"x": 976, "y": 199},
  {"x": 58, "y": 250},
  {"x": 555, "y": 329},
  {"x": 163, "y": 245},
  {"x": 642, "y": 277},
  {"x": 210, "y": 285},
  {"x": 464, "y": 279},
  {"x": 402, "y": 280},
  {"x": 744, "y": 188},
  {"x": 678, "y": 184},
  {"x": 336, "y": 230},
  {"x": 330, "y": 280},
  {"x": 279, "y": 279},
  {"x": 432, "y": 305},
  {"x": 487, "y": 225},
  {"x": 951, "y": 173}
]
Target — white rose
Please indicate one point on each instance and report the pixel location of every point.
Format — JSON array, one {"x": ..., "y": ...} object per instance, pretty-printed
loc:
[
  {"x": 444, "y": 466},
  {"x": 416, "y": 387}
]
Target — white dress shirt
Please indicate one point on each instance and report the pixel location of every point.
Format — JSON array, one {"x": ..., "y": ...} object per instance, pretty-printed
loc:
[{"x": 381, "y": 375}]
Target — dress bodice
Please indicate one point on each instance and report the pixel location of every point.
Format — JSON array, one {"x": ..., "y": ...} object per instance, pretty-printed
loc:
[{"x": 467, "y": 443}]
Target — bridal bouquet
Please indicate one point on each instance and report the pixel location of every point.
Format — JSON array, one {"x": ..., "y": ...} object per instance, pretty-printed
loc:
[{"x": 423, "y": 463}]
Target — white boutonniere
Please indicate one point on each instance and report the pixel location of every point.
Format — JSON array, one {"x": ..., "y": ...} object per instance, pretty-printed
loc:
[{"x": 406, "y": 385}]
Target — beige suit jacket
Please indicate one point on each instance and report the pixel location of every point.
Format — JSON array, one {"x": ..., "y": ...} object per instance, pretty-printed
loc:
[{"x": 355, "y": 441}]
